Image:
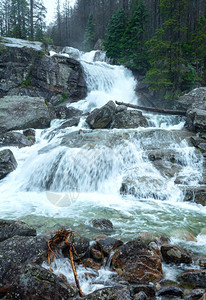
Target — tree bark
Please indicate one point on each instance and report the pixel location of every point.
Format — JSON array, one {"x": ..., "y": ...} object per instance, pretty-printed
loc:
[{"x": 153, "y": 109}]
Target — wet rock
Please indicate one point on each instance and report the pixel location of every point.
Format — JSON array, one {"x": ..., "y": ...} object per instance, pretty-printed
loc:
[
  {"x": 184, "y": 235},
  {"x": 10, "y": 228},
  {"x": 202, "y": 262},
  {"x": 102, "y": 117},
  {"x": 95, "y": 253},
  {"x": 102, "y": 224},
  {"x": 16, "y": 139},
  {"x": 90, "y": 263},
  {"x": 18, "y": 251},
  {"x": 7, "y": 163},
  {"x": 69, "y": 123},
  {"x": 147, "y": 237},
  {"x": 121, "y": 108},
  {"x": 148, "y": 289},
  {"x": 29, "y": 132},
  {"x": 196, "y": 118},
  {"x": 140, "y": 296},
  {"x": 109, "y": 244},
  {"x": 174, "y": 254},
  {"x": 35, "y": 282},
  {"x": 137, "y": 263},
  {"x": 195, "y": 96},
  {"x": 63, "y": 112},
  {"x": 195, "y": 194},
  {"x": 170, "y": 292},
  {"x": 129, "y": 119},
  {"x": 18, "y": 112},
  {"x": 81, "y": 245},
  {"x": 104, "y": 294},
  {"x": 195, "y": 294},
  {"x": 194, "y": 278}
]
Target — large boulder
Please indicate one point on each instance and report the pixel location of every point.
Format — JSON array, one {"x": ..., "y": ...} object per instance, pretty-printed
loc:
[
  {"x": 28, "y": 71},
  {"x": 7, "y": 163},
  {"x": 18, "y": 112},
  {"x": 16, "y": 139},
  {"x": 129, "y": 119},
  {"x": 196, "y": 118},
  {"x": 194, "y": 278},
  {"x": 138, "y": 263},
  {"x": 35, "y": 282},
  {"x": 102, "y": 117},
  {"x": 174, "y": 254},
  {"x": 195, "y": 97}
]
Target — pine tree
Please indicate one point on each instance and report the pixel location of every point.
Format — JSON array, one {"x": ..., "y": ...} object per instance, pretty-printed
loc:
[
  {"x": 89, "y": 36},
  {"x": 133, "y": 41},
  {"x": 39, "y": 20},
  {"x": 19, "y": 19},
  {"x": 114, "y": 34}
]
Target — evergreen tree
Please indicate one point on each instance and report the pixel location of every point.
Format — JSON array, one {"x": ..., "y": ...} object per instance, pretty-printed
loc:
[
  {"x": 114, "y": 34},
  {"x": 19, "y": 19},
  {"x": 133, "y": 41},
  {"x": 89, "y": 36},
  {"x": 39, "y": 20}
]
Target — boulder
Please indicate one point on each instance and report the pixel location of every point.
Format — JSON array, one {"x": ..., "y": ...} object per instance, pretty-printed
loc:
[
  {"x": 195, "y": 294},
  {"x": 18, "y": 112},
  {"x": 81, "y": 245},
  {"x": 102, "y": 117},
  {"x": 129, "y": 119},
  {"x": 7, "y": 163},
  {"x": 10, "y": 228},
  {"x": 63, "y": 112},
  {"x": 174, "y": 254},
  {"x": 196, "y": 118},
  {"x": 90, "y": 263},
  {"x": 170, "y": 292},
  {"x": 36, "y": 283},
  {"x": 16, "y": 139},
  {"x": 195, "y": 96},
  {"x": 138, "y": 263},
  {"x": 102, "y": 224},
  {"x": 108, "y": 293},
  {"x": 148, "y": 289},
  {"x": 195, "y": 194},
  {"x": 18, "y": 251},
  {"x": 194, "y": 278},
  {"x": 108, "y": 244},
  {"x": 140, "y": 296},
  {"x": 69, "y": 123}
]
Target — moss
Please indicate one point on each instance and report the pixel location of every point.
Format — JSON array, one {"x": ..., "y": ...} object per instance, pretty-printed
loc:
[
  {"x": 64, "y": 97},
  {"x": 3, "y": 49},
  {"x": 26, "y": 83},
  {"x": 46, "y": 102}
]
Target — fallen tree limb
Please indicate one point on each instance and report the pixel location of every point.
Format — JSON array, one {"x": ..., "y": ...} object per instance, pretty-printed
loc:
[{"x": 153, "y": 109}]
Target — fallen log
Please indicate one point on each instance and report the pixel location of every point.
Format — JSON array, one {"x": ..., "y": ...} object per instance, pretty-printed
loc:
[{"x": 154, "y": 109}]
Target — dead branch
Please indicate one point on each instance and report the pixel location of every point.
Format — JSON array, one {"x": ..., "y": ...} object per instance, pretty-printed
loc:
[{"x": 154, "y": 109}]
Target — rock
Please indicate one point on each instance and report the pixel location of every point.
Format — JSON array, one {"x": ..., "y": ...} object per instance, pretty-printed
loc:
[
  {"x": 72, "y": 52},
  {"x": 203, "y": 297},
  {"x": 40, "y": 75},
  {"x": 121, "y": 108},
  {"x": 149, "y": 290},
  {"x": 202, "y": 262},
  {"x": 9, "y": 228},
  {"x": 18, "y": 251},
  {"x": 195, "y": 96},
  {"x": 129, "y": 119},
  {"x": 194, "y": 278},
  {"x": 95, "y": 253},
  {"x": 140, "y": 296},
  {"x": 7, "y": 163},
  {"x": 63, "y": 112},
  {"x": 196, "y": 118},
  {"x": 102, "y": 117},
  {"x": 90, "y": 263},
  {"x": 174, "y": 254},
  {"x": 104, "y": 294},
  {"x": 16, "y": 139},
  {"x": 35, "y": 282},
  {"x": 29, "y": 132},
  {"x": 69, "y": 123},
  {"x": 23, "y": 112},
  {"x": 81, "y": 245},
  {"x": 170, "y": 292},
  {"x": 102, "y": 224},
  {"x": 184, "y": 235},
  {"x": 195, "y": 294},
  {"x": 137, "y": 263},
  {"x": 109, "y": 244},
  {"x": 195, "y": 194}
]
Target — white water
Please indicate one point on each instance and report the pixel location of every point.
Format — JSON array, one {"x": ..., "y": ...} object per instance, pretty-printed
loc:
[{"x": 69, "y": 183}]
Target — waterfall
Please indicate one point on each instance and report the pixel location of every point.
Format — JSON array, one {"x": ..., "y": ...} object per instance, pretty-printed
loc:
[{"x": 135, "y": 177}]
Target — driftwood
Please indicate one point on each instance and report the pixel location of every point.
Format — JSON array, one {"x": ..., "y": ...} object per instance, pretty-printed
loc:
[
  {"x": 64, "y": 237},
  {"x": 154, "y": 109}
]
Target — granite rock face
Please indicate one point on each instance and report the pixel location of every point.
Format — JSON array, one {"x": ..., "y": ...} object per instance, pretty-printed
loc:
[{"x": 7, "y": 163}]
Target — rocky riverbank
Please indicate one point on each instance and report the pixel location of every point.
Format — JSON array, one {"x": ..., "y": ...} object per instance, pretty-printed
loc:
[{"x": 138, "y": 266}]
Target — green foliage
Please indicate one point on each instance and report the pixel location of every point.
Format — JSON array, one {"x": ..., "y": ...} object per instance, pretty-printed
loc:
[
  {"x": 64, "y": 97},
  {"x": 114, "y": 34},
  {"x": 133, "y": 42},
  {"x": 26, "y": 83},
  {"x": 89, "y": 36},
  {"x": 19, "y": 18},
  {"x": 3, "y": 49},
  {"x": 46, "y": 40}
]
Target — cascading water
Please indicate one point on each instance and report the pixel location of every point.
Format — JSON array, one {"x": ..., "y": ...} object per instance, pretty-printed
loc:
[{"x": 136, "y": 177}]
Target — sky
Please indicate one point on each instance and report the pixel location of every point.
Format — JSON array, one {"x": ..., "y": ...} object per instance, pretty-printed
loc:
[{"x": 51, "y": 6}]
